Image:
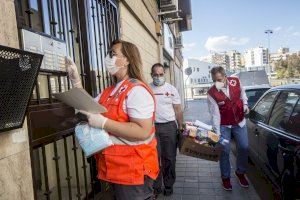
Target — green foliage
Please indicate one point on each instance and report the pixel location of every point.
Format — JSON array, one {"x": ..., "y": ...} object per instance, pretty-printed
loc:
[{"x": 289, "y": 68}]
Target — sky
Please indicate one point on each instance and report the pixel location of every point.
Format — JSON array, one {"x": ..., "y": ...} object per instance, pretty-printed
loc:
[{"x": 222, "y": 25}]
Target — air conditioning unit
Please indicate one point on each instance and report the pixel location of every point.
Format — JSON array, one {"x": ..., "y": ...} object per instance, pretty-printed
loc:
[{"x": 168, "y": 5}]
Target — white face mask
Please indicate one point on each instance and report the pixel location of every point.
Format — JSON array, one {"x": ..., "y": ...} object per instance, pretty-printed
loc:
[
  {"x": 110, "y": 64},
  {"x": 219, "y": 85}
]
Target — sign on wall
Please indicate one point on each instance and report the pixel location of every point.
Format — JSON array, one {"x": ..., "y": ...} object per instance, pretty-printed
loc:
[
  {"x": 54, "y": 51},
  {"x": 168, "y": 40}
]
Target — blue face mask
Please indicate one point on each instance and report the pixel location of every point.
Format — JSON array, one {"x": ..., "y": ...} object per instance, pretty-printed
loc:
[
  {"x": 159, "y": 81},
  {"x": 92, "y": 140}
]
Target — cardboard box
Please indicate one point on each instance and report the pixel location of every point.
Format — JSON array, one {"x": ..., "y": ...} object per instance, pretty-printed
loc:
[{"x": 190, "y": 148}]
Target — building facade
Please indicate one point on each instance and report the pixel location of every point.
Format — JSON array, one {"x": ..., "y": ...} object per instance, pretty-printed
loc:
[
  {"x": 256, "y": 57},
  {"x": 221, "y": 59},
  {"x": 235, "y": 61},
  {"x": 200, "y": 72},
  {"x": 200, "y": 79},
  {"x": 281, "y": 54},
  {"x": 43, "y": 159}
]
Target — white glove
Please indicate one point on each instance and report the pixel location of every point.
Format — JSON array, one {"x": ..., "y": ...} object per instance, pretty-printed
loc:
[
  {"x": 95, "y": 120},
  {"x": 73, "y": 73}
]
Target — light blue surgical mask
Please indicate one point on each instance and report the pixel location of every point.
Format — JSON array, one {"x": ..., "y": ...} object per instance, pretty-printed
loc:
[
  {"x": 159, "y": 81},
  {"x": 92, "y": 140}
]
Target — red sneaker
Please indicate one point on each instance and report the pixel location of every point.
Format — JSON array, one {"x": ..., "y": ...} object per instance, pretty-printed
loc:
[
  {"x": 242, "y": 180},
  {"x": 226, "y": 184}
]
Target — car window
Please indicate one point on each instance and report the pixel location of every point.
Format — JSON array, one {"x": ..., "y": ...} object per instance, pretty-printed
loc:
[
  {"x": 262, "y": 108},
  {"x": 253, "y": 95},
  {"x": 294, "y": 121},
  {"x": 283, "y": 109}
]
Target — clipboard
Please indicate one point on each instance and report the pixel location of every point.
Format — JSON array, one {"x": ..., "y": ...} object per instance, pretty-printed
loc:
[{"x": 79, "y": 99}]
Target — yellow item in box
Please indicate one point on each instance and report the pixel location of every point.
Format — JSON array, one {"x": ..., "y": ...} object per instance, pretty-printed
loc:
[{"x": 213, "y": 136}]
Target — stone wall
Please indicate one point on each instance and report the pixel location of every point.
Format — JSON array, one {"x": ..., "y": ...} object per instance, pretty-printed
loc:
[
  {"x": 139, "y": 28},
  {"x": 15, "y": 173}
]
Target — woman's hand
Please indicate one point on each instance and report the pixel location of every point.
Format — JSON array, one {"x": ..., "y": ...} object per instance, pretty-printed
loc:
[
  {"x": 73, "y": 73},
  {"x": 95, "y": 120}
]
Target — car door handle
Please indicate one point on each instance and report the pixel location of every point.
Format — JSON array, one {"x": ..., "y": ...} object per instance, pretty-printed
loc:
[
  {"x": 256, "y": 132},
  {"x": 285, "y": 150}
]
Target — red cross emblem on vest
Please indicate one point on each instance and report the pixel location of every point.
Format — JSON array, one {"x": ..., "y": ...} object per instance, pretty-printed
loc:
[
  {"x": 122, "y": 89},
  {"x": 167, "y": 94},
  {"x": 232, "y": 83}
]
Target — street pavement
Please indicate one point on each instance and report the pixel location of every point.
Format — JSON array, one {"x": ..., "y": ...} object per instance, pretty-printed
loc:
[{"x": 200, "y": 179}]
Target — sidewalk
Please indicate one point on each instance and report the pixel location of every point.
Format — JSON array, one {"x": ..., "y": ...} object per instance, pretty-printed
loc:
[{"x": 200, "y": 179}]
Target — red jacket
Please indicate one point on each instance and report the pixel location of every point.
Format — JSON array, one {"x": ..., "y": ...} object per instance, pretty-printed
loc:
[{"x": 231, "y": 110}]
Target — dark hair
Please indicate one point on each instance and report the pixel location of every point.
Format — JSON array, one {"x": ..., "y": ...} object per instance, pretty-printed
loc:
[
  {"x": 157, "y": 65},
  {"x": 131, "y": 52},
  {"x": 216, "y": 70}
]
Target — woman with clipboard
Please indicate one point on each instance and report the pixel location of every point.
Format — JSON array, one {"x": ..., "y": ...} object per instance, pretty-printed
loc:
[{"x": 131, "y": 164}]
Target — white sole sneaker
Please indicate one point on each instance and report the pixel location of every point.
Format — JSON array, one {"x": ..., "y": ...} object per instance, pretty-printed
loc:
[{"x": 244, "y": 186}]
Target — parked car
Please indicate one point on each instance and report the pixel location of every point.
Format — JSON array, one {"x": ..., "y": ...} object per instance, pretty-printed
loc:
[
  {"x": 255, "y": 92},
  {"x": 274, "y": 138}
]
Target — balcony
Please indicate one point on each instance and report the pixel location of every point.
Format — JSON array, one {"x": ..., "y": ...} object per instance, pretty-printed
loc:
[{"x": 186, "y": 15}]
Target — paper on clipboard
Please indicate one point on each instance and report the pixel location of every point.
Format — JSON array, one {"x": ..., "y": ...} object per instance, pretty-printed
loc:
[{"x": 79, "y": 99}]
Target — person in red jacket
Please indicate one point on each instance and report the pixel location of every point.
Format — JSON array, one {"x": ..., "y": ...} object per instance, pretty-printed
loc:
[
  {"x": 131, "y": 164},
  {"x": 227, "y": 103}
]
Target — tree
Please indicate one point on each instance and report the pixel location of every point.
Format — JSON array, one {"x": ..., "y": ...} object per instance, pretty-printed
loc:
[{"x": 289, "y": 68}]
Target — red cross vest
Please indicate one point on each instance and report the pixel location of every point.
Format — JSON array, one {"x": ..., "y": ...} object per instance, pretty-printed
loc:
[
  {"x": 122, "y": 163},
  {"x": 231, "y": 109}
]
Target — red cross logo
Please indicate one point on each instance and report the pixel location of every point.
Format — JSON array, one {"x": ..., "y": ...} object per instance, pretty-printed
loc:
[
  {"x": 232, "y": 83},
  {"x": 167, "y": 94},
  {"x": 122, "y": 89}
]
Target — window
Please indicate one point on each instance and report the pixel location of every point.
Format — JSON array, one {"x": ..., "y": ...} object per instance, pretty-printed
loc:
[
  {"x": 208, "y": 67},
  {"x": 294, "y": 121},
  {"x": 208, "y": 75},
  {"x": 197, "y": 69},
  {"x": 262, "y": 109},
  {"x": 199, "y": 80},
  {"x": 283, "y": 109},
  {"x": 36, "y": 16},
  {"x": 46, "y": 17},
  {"x": 254, "y": 95},
  {"x": 170, "y": 42},
  {"x": 52, "y": 17},
  {"x": 191, "y": 80}
]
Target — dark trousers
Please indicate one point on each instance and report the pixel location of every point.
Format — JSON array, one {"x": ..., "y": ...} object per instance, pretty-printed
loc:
[
  {"x": 166, "y": 134},
  {"x": 133, "y": 192}
]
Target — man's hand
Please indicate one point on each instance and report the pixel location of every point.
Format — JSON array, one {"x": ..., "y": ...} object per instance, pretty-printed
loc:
[
  {"x": 95, "y": 120},
  {"x": 180, "y": 127},
  {"x": 216, "y": 130},
  {"x": 246, "y": 109}
]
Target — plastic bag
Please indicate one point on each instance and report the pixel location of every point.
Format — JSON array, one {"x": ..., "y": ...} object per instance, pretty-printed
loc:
[{"x": 92, "y": 140}]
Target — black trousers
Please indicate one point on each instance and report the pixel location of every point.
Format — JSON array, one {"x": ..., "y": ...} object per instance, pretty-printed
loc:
[
  {"x": 166, "y": 134},
  {"x": 133, "y": 192}
]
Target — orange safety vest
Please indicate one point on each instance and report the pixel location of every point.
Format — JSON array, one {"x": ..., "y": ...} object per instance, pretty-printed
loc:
[{"x": 126, "y": 164}]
